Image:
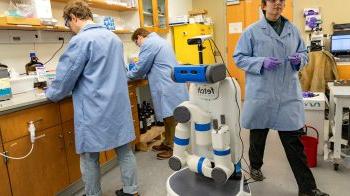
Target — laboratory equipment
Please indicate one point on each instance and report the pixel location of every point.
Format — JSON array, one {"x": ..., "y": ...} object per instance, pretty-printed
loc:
[
  {"x": 207, "y": 138},
  {"x": 5, "y": 86}
]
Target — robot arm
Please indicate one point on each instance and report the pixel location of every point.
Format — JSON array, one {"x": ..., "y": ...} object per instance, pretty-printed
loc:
[{"x": 186, "y": 113}]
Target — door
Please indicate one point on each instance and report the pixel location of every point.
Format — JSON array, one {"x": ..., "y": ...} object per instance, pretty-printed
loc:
[
  {"x": 45, "y": 171},
  {"x": 73, "y": 159},
  {"x": 5, "y": 189}
]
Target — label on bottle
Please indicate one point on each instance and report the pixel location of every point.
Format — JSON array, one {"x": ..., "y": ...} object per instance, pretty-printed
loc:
[
  {"x": 153, "y": 120},
  {"x": 141, "y": 125},
  {"x": 149, "y": 123}
]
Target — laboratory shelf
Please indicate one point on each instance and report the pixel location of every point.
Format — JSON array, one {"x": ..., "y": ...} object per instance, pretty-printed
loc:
[{"x": 104, "y": 5}]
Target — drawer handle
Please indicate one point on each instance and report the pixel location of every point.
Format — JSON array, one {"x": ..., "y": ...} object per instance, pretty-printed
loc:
[
  {"x": 40, "y": 136},
  {"x": 69, "y": 132},
  {"x": 36, "y": 121}
]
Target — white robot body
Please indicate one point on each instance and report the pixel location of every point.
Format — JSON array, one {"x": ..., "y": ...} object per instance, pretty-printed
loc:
[{"x": 208, "y": 130}]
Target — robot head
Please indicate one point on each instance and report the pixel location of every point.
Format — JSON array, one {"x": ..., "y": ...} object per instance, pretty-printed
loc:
[{"x": 201, "y": 74}]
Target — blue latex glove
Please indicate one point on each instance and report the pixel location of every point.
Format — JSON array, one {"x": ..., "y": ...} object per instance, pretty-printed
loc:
[
  {"x": 295, "y": 61},
  {"x": 271, "y": 63}
]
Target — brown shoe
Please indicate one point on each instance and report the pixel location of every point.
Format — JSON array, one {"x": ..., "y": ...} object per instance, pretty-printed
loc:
[
  {"x": 161, "y": 147},
  {"x": 165, "y": 155}
]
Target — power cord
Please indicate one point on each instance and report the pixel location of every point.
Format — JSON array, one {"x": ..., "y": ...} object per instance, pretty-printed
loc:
[
  {"x": 56, "y": 51},
  {"x": 239, "y": 114},
  {"x": 212, "y": 50},
  {"x": 19, "y": 158},
  {"x": 31, "y": 130}
]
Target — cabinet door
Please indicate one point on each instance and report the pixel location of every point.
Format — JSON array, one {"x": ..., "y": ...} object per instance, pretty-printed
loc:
[
  {"x": 162, "y": 16},
  {"x": 103, "y": 158},
  {"x": 44, "y": 172},
  {"x": 110, "y": 155},
  {"x": 5, "y": 189},
  {"x": 73, "y": 159},
  {"x": 146, "y": 9}
]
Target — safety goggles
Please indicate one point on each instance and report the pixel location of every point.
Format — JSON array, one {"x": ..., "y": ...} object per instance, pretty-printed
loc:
[
  {"x": 275, "y": 1},
  {"x": 66, "y": 22}
]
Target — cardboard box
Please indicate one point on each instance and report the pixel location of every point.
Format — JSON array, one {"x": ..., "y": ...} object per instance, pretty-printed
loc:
[
  {"x": 195, "y": 12},
  {"x": 10, "y": 20}
]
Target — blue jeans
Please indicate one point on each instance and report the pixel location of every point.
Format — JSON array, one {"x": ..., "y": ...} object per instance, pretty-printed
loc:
[{"x": 90, "y": 169}]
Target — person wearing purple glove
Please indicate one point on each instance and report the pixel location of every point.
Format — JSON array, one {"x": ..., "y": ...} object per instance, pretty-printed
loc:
[
  {"x": 295, "y": 61},
  {"x": 271, "y": 52},
  {"x": 271, "y": 63}
]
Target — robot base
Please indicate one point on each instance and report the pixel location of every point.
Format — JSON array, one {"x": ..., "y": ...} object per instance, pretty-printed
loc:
[{"x": 187, "y": 183}]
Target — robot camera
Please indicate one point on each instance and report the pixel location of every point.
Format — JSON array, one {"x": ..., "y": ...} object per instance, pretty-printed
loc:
[{"x": 198, "y": 39}]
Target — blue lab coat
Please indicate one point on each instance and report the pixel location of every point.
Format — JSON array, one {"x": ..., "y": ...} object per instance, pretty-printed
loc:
[
  {"x": 92, "y": 68},
  {"x": 156, "y": 60},
  {"x": 273, "y": 99}
]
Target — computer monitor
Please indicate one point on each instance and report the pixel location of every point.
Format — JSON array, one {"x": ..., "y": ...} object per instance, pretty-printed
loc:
[{"x": 340, "y": 45}]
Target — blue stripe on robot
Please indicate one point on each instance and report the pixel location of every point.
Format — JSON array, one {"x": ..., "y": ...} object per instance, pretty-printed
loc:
[
  {"x": 181, "y": 142},
  {"x": 222, "y": 152},
  {"x": 200, "y": 165},
  {"x": 202, "y": 127}
]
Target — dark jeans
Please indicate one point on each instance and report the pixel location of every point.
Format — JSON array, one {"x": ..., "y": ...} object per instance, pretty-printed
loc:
[{"x": 294, "y": 150}]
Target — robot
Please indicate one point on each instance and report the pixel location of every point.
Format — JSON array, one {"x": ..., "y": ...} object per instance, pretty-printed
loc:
[{"x": 207, "y": 138}]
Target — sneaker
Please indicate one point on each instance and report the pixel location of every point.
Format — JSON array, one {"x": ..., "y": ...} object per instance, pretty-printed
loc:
[
  {"x": 315, "y": 192},
  {"x": 256, "y": 174},
  {"x": 165, "y": 155},
  {"x": 121, "y": 193},
  {"x": 161, "y": 147}
]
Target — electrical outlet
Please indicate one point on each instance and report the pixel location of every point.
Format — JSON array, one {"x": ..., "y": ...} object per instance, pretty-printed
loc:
[
  {"x": 4, "y": 37},
  {"x": 54, "y": 37},
  {"x": 24, "y": 37}
]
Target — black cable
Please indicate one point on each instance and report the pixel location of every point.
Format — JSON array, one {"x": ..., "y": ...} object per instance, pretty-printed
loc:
[
  {"x": 222, "y": 59},
  {"x": 55, "y": 52},
  {"x": 239, "y": 111},
  {"x": 212, "y": 50}
]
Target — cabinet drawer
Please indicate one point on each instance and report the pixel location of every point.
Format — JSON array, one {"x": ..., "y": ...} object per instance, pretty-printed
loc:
[
  {"x": 15, "y": 125},
  {"x": 66, "y": 109}
]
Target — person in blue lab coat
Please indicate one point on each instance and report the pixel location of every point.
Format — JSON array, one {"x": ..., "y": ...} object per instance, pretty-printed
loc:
[
  {"x": 92, "y": 69},
  {"x": 156, "y": 61},
  {"x": 271, "y": 52}
]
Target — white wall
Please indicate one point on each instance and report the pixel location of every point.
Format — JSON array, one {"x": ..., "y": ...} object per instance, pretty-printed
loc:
[
  {"x": 217, "y": 11},
  {"x": 17, "y": 55},
  {"x": 178, "y": 8}
]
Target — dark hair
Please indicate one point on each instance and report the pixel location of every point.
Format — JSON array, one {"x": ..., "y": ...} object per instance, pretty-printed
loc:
[
  {"x": 78, "y": 8},
  {"x": 263, "y": 2},
  {"x": 140, "y": 31}
]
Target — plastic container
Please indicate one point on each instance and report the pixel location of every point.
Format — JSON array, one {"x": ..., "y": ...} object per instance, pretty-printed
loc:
[{"x": 310, "y": 147}]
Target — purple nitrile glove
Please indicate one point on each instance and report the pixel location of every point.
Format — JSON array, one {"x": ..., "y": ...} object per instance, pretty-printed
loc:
[
  {"x": 271, "y": 63},
  {"x": 295, "y": 61}
]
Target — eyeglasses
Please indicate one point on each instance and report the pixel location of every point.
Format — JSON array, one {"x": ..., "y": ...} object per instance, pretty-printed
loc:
[
  {"x": 66, "y": 22},
  {"x": 275, "y": 1}
]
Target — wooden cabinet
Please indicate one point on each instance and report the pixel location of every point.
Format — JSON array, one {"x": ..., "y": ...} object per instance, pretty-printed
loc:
[
  {"x": 45, "y": 171},
  {"x": 66, "y": 110},
  {"x": 154, "y": 15},
  {"x": 73, "y": 159},
  {"x": 5, "y": 189},
  {"x": 103, "y": 158},
  {"x": 134, "y": 111},
  {"x": 15, "y": 125},
  {"x": 110, "y": 154}
]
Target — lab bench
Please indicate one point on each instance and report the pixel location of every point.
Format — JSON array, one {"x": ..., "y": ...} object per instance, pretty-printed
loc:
[{"x": 53, "y": 165}]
